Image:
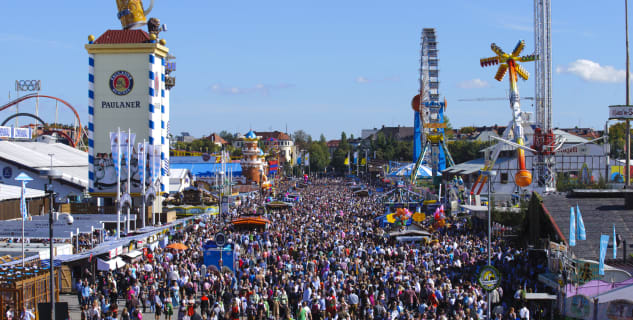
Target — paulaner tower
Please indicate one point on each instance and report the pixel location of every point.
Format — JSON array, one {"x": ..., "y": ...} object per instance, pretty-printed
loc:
[{"x": 128, "y": 89}]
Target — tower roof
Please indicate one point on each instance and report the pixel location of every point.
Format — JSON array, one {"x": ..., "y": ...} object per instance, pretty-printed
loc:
[
  {"x": 250, "y": 136},
  {"x": 123, "y": 36}
]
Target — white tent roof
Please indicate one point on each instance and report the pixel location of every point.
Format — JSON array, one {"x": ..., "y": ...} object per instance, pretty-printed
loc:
[
  {"x": 112, "y": 264},
  {"x": 9, "y": 192},
  {"x": 616, "y": 294},
  {"x": 73, "y": 163},
  {"x": 405, "y": 171}
]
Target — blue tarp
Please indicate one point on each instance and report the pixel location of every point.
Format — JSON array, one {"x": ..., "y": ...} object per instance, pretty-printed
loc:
[{"x": 208, "y": 169}]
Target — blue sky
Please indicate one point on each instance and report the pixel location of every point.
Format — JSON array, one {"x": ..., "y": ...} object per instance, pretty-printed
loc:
[{"x": 326, "y": 66}]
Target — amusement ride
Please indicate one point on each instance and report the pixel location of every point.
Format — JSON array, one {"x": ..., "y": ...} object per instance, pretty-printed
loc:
[
  {"x": 75, "y": 139},
  {"x": 428, "y": 110}
]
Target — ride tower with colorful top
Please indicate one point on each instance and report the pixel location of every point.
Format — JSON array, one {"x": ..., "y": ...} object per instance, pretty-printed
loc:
[
  {"x": 509, "y": 63},
  {"x": 252, "y": 159}
]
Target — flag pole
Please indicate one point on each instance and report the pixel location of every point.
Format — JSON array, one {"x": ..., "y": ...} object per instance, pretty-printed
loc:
[
  {"x": 141, "y": 160},
  {"x": 23, "y": 203},
  {"x": 118, "y": 184},
  {"x": 129, "y": 156}
]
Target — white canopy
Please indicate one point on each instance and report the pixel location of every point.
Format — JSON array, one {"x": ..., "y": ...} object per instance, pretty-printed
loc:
[
  {"x": 133, "y": 254},
  {"x": 111, "y": 264}
]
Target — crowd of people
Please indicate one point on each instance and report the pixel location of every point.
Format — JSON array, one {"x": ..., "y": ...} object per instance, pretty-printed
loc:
[{"x": 323, "y": 258}]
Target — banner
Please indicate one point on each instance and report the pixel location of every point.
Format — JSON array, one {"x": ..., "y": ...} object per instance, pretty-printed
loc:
[
  {"x": 355, "y": 157},
  {"x": 273, "y": 166},
  {"x": 572, "y": 227},
  {"x": 23, "y": 208},
  {"x": 21, "y": 133},
  {"x": 15, "y": 133},
  {"x": 154, "y": 158},
  {"x": 5, "y": 132},
  {"x": 115, "y": 148},
  {"x": 582, "y": 234},
  {"x": 604, "y": 242},
  {"x": 307, "y": 162},
  {"x": 141, "y": 160},
  {"x": 615, "y": 244},
  {"x": 107, "y": 166}
]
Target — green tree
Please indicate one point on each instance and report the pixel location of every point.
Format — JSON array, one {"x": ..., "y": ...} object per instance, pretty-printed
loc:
[
  {"x": 319, "y": 156},
  {"x": 338, "y": 159},
  {"x": 301, "y": 139},
  {"x": 466, "y": 150},
  {"x": 617, "y": 140},
  {"x": 229, "y": 137}
]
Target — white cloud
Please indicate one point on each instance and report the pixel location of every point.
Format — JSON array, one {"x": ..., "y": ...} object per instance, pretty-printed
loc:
[
  {"x": 258, "y": 88},
  {"x": 473, "y": 84},
  {"x": 518, "y": 27},
  {"x": 593, "y": 71},
  {"x": 362, "y": 80}
]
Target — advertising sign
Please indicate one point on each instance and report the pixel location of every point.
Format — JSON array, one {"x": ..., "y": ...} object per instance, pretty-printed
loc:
[
  {"x": 21, "y": 133},
  {"x": 119, "y": 98},
  {"x": 15, "y": 133},
  {"x": 621, "y": 112},
  {"x": 489, "y": 278},
  {"x": 5, "y": 132},
  {"x": 219, "y": 257}
]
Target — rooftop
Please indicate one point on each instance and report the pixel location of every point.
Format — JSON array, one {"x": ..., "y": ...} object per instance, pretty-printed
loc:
[
  {"x": 123, "y": 36},
  {"x": 273, "y": 134},
  {"x": 9, "y": 192},
  {"x": 73, "y": 163},
  {"x": 599, "y": 214}
]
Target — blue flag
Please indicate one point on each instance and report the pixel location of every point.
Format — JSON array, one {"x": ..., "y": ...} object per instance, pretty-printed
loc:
[
  {"x": 582, "y": 234},
  {"x": 615, "y": 245},
  {"x": 23, "y": 203},
  {"x": 604, "y": 242},
  {"x": 572, "y": 227}
]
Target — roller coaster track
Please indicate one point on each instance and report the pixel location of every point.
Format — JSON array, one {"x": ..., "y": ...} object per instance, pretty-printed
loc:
[{"x": 80, "y": 134}]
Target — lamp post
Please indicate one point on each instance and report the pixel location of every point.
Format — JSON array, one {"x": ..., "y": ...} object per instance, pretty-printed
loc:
[
  {"x": 51, "y": 174},
  {"x": 490, "y": 174}
]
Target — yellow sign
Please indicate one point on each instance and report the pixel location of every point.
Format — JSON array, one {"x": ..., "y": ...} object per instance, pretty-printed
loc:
[
  {"x": 489, "y": 278},
  {"x": 418, "y": 216},
  {"x": 435, "y": 125}
]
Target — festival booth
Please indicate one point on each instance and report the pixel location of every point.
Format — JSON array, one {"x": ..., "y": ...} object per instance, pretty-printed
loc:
[
  {"x": 220, "y": 257},
  {"x": 24, "y": 287},
  {"x": 250, "y": 222}
]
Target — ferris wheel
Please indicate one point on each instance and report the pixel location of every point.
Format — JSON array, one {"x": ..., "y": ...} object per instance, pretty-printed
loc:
[{"x": 429, "y": 141}]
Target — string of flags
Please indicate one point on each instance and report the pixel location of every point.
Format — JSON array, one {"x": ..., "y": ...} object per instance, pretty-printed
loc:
[{"x": 577, "y": 230}]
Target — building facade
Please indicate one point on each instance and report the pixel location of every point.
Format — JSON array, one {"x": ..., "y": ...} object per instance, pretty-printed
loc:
[{"x": 126, "y": 90}]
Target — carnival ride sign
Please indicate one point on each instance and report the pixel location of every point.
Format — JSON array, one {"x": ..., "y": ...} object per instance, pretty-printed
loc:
[
  {"x": 489, "y": 278},
  {"x": 621, "y": 112}
]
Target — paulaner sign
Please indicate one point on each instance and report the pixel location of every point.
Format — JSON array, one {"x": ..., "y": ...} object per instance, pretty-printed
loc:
[
  {"x": 120, "y": 104},
  {"x": 621, "y": 112}
]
